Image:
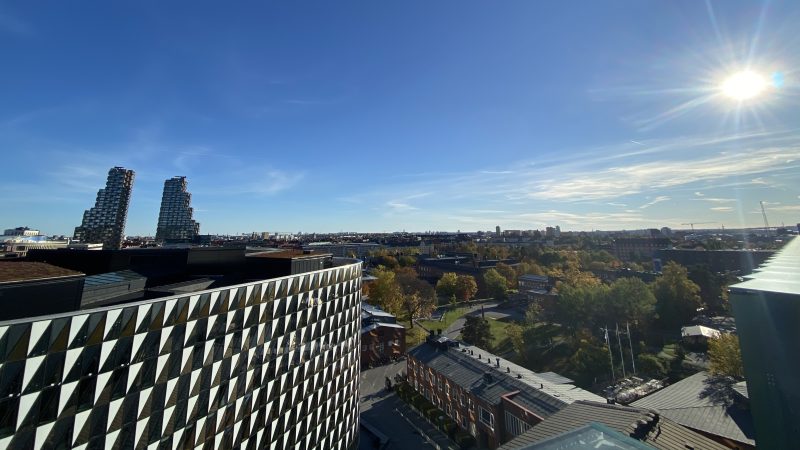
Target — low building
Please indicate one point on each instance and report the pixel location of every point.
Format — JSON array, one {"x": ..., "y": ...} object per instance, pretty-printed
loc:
[
  {"x": 431, "y": 269},
  {"x": 358, "y": 250},
  {"x": 534, "y": 288},
  {"x": 709, "y": 405},
  {"x": 639, "y": 249},
  {"x": 742, "y": 262},
  {"x": 491, "y": 398},
  {"x": 382, "y": 338},
  {"x": 698, "y": 334},
  {"x": 625, "y": 424}
]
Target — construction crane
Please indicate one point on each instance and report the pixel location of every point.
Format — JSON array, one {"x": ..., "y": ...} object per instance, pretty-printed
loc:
[
  {"x": 764, "y": 213},
  {"x": 692, "y": 224}
]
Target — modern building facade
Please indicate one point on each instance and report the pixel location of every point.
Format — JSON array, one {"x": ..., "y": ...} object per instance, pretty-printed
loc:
[
  {"x": 767, "y": 309},
  {"x": 264, "y": 364},
  {"x": 105, "y": 222},
  {"x": 175, "y": 222}
]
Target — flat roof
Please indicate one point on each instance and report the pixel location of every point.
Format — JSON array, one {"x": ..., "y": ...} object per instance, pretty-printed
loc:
[
  {"x": 287, "y": 254},
  {"x": 15, "y": 271}
]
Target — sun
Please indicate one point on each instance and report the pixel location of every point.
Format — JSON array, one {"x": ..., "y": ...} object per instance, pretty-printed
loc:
[{"x": 744, "y": 85}]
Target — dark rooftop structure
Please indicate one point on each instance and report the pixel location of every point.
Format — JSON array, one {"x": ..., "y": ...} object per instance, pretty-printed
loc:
[
  {"x": 738, "y": 261},
  {"x": 707, "y": 404},
  {"x": 641, "y": 425},
  {"x": 15, "y": 271},
  {"x": 35, "y": 288},
  {"x": 55, "y": 281}
]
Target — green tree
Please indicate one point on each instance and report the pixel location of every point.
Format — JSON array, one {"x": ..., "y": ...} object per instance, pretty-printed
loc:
[
  {"x": 630, "y": 300},
  {"x": 588, "y": 362},
  {"x": 677, "y": 297},
  {"x": 533, "y": 314},
  {"x": 446, "y": 286},
  {"x": 466, "y": 287},
  {"x": 713, "y": 288},
  {"x": 531, "y": 268},
  {"x": 385, "y": 292},
  {"x": 496, "y": 284},
  {"x": 387, "y": 261},
  {"x": 406, "y": 261},
  {"x": 514, "y": 333},
  {"x": 651, "y": 364},
  {"x": 725, "y": 356},
  {"x": 477, "y": 332}
]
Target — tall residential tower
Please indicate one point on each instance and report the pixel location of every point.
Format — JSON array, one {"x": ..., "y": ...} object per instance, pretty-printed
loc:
[
  {"x": 105, "y": 222},
  {"x": 175, "y": 218}
]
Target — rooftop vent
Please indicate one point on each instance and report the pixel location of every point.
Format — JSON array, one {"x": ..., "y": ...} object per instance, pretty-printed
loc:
[{"x": 487, "y": 377}]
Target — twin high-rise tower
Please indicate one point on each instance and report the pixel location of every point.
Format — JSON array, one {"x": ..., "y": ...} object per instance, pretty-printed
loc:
[
  {"x": 175, "y": 221},
  {"x": 105, "y": 222}
]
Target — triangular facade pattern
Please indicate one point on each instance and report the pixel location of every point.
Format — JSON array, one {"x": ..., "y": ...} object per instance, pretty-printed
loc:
[{"x": 271, "y": 364}]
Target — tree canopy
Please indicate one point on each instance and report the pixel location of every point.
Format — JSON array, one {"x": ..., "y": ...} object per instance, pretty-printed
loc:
[
  {"x": 477, "y": 332},
  {"x": 446, "y": 286},
  {"x": 466, "y": 287},
  {"x": 677, "y": 297},
  {"x": 496, "y": 284},
  {"x": 725, "y": 356}
]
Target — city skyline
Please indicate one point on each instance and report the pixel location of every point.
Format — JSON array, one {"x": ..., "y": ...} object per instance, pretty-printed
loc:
[{"x": 410, "y": 117}]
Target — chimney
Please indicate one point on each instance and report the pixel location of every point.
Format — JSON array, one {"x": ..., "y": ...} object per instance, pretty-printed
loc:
[
  {"x": 508, "y": 369},
  {"x": 479, "y": 356},
  {"x": 439, "y": 331},
  {"x": 497, "y": 361},
  {"x": 487, "y": 377}
]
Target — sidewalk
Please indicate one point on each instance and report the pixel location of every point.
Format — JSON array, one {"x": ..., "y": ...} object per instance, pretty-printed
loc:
[{"x": 421, "y": 424}]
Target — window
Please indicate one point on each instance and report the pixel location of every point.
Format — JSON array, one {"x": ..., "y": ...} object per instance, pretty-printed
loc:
[
  {"x": 514, "y": 425},
  {"x": 463, "y": 400},
  {"x": 487, "y": 417},
  {"x": 449, "y": 410},
  {"x": 447, "y": 388}
]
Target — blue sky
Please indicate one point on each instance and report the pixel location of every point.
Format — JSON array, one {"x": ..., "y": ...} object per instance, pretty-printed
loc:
[{"x": 413, "y": 115}]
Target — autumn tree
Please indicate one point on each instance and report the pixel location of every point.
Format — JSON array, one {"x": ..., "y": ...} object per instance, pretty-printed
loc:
[
  {"x": 508, "y": 273},
  {"x": 677, "y": 297},
  {"x": 725, "y": 356},
  {"x": 385, "y": 292},
  {"x": 515, "y": 334},
  {"x": 418, "y": 298},
  {"x": 466, "y": 287},
  {"x": 447, "y": 285},
  {"x": 477, "y": 332},
  {"x": 406, "y": 261},
  {"x": 496, "y": 284}
]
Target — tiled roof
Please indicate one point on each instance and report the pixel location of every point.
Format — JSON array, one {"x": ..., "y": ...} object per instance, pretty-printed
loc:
[
  {"x": 642, "y": 424},
  {"x": 703, "y": 403}
]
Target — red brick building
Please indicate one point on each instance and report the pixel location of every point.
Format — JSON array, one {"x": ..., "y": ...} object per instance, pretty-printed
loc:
[
  {"x": 382, "y": 338},
  {"x": 492, "y": 399}
]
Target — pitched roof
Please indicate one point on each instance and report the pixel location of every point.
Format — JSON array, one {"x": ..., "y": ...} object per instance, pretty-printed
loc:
[
  {"x": 538, "y": 394},
  {"x": 777, "y": 274},
  {"x": 699, "y": 330},
  {"x": 642, "y": 424},
  {"x": 704, "y": 403}
]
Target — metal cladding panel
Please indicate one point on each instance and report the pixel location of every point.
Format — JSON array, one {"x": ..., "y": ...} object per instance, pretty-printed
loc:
[{"x": 205, "y": 370}]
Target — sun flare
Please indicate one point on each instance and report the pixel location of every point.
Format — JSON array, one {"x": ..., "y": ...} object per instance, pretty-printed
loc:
[{"x": 744, "y": 85}]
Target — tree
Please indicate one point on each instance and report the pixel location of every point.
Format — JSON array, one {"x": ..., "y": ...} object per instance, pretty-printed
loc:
[
  {"x": 477, "y": 332},
  {"x": 418, "y": 298},
  {"x": 588, "y": 362},
  {"x": 496, "y": 284},
  {"x": 406, "y": 261},
  {"x": 677, "y": 297},
  {"x": 466, "y": 287},
  {"x": 532, "y": 268},
  {"x": 514, "y": 333},
  {"x": 534, "y": 313},
  {"x": 386, "y": 261},
  {"x": 630, "y": 300},
  {"x": 507, "y": 272},
  {"x": 651, "y": 364},
  {"x": 713, "y": 287},
  {"x": 446, "y": 286},
  {"x": 385, "y": 292},
  {"x": 725, "y": 356}
]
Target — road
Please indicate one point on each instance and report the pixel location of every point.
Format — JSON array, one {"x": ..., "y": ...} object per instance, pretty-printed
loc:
[
  {"x": 490, "y": 310},
  {"x": 378, "y": 409}
]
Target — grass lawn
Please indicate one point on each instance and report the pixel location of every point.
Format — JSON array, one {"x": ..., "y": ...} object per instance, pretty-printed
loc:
[
  {"x": 414, "y": 336},
  {"x": 448, "y": 318}
]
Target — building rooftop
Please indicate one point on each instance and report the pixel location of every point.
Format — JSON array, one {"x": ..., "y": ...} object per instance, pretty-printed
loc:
[
  {"x": 537, "y": 278},
  {"x": 467, "y": 366},
  {"x": 699, "y": 330},
  {"x": 777, "y": 274},
  {"x": 16, "y": 271},
  {"x": 287, "y": 254},
  {"x": 632, "y": 423},
  {"x": 703, "y": 403}
]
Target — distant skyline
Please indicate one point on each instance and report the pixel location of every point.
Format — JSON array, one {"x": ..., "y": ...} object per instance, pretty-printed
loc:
[{"x": 375, "y": 116}]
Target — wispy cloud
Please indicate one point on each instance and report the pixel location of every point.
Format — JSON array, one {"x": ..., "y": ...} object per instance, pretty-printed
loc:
[
  {"x": 659, "y": 199},
  {"x": 715, "y": 200},
  {"x": 722, "y": 208}
]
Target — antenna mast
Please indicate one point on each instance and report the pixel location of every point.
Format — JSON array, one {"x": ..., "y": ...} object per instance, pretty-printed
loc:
[{"x": 764, "y": 213}]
